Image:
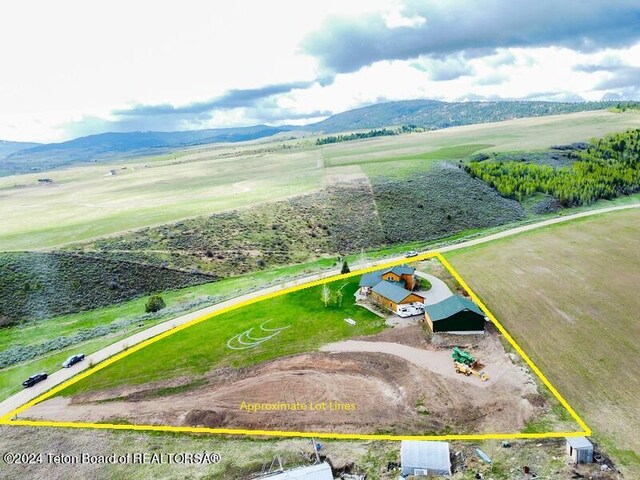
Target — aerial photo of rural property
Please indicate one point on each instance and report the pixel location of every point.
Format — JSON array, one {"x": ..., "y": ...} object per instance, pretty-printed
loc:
[{"x": 350, "y": 240}]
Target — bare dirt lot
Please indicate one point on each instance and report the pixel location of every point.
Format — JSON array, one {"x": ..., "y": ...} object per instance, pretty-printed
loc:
[{"x": 396, "y": 382}]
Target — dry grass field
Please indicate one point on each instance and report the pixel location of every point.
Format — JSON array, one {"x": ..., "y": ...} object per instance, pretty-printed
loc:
[
  {"x": 87, "y": 202},
  {"x": 242, "y": 459},
  {"x": 569, "y": 295}
]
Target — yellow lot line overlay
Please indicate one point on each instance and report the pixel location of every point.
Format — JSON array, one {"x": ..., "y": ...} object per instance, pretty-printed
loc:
[{"x": 7, "y": 419}]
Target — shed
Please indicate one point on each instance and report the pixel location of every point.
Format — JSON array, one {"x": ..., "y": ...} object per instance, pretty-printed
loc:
[
  {"x": 320, "y": 471},
  {"x": 419, "y": 457},
  {"x": 454, "y": 314},
  {"x": 580, "y": 449}
]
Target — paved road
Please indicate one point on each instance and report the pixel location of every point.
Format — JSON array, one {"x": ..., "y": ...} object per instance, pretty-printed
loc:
[{"x": 62, "y": 375}]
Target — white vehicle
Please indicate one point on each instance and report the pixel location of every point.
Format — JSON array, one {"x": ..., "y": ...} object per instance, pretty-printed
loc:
[
  {"x": 418, "y": 306},
  {"x": 408, "y": 311}
]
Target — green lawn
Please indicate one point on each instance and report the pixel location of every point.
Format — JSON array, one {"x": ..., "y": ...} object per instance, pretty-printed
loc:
[{"x": 202, "y": 347}]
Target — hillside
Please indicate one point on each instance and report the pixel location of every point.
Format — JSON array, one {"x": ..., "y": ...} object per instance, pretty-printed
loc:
[
  {"x": 41, "y": 285},
  {"x": 432, "y": 114},
  {"x": 89, "y": 202},
  {"x": 114, "y": 145},
  {"x": 342, "y": 219},
  {"x": 7, "y": 148},
  {"x": 427, "y": 114}
]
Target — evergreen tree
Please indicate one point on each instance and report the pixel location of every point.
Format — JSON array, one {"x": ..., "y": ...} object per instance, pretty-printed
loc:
[{"x": 345, "y": 267}]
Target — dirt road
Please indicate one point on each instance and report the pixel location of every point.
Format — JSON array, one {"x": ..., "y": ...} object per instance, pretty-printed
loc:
[{"x": 19, "y": 399}]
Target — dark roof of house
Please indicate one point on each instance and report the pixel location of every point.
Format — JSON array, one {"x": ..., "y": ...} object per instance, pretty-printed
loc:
[
  {"x": 370, "y": 279},
  {"x": 449, "y": 307},
  {"x": 373, "y": 278},
  {"x": 392, "y": 291},
  {"x": 401, "y": 270}
]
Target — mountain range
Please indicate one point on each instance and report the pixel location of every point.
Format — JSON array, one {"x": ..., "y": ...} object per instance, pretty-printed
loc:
[{"x": 18, "y": 157}]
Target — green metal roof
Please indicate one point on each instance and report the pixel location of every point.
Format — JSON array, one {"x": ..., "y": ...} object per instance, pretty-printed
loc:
[
  {"x": 370, "y": 279},
  {"x": 373, "y": 278},
  {"x": 450, "y": 306},
  {"x": 391, "y": 290},
  {"x": 401, "y": 270}
]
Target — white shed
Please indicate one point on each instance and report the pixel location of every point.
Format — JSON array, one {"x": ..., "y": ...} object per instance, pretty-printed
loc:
[
  {"x": 321, "y": 471},
  {"x": 580, "y": 449},
  {"x": 425, "y": 458}
]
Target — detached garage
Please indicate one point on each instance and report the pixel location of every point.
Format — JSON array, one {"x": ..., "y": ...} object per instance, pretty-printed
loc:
[{"x": 454, "y": 314}]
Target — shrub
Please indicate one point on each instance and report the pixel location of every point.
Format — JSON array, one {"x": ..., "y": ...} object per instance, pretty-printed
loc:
[
  {"x": 345, "y": 267},
  {"x": 5, "y": 321},
  {"x": 154, "y": 304}
]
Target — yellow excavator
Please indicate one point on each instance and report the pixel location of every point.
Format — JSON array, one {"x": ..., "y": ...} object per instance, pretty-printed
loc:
[{"x": 467, "y": 370}]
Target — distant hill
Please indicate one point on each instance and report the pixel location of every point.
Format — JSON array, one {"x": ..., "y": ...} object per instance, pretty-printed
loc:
[
  {"x": 433, "y": 114},
  {"x": 429, "y": 114},
  {"x": 7, "y": 147},
  {"x": 109, "y": 145}
]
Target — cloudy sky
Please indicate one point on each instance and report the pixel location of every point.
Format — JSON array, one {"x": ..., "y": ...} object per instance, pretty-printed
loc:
[{"x": 71, "y": 68}]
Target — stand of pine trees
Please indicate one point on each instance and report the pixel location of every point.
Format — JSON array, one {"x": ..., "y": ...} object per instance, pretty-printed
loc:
[{"x": 608, "y": 168}]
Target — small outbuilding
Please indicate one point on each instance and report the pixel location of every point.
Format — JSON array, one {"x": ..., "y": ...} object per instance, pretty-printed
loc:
[
  {"x": 418, "y": 457},
  {"x": 454, "y": 314},
  {"x": 580, "y": 449},
  {"x": 320, "y": 471}
]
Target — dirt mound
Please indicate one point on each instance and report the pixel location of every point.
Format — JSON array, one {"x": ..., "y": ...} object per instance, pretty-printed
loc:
[{"x": 204, "y": 418}]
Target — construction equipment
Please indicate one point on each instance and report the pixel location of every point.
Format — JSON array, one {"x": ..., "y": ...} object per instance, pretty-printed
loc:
[
  {"x": 467, "y": 370},
  {"x": 463, "y": 357}
]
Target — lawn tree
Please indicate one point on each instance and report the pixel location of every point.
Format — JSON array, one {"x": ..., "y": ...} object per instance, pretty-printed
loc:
[
  {"x": 325, "y": 295},
  {"x": 339, "y": 296}
]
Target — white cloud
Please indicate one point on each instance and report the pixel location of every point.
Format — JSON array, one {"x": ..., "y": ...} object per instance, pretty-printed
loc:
[{"x": 68, "y": 65}]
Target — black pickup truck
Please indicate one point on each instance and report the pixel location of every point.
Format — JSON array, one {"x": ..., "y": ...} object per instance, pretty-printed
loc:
[{"x": 33, "y": 379}]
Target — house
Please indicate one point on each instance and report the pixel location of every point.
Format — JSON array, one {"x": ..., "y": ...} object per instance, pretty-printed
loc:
[
  {"x": 392, "y": 287},
  {"x": 580, "y": 450},
  {"x": 454, "y": 314},
  {"x": 399, "y": 274},
  {"x": 425, "y": 458},
  {"x": 320, "y": 471}
]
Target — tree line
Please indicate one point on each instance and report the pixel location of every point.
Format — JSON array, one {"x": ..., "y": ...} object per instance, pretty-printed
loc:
[
  {"x": 608, "y": 168},
  {"x": 380, "y": 132}
]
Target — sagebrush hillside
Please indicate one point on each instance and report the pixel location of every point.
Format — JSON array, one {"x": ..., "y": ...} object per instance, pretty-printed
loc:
[
  {"x": 346, "y": 217},
  {"x": 41, "y": 285}
]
